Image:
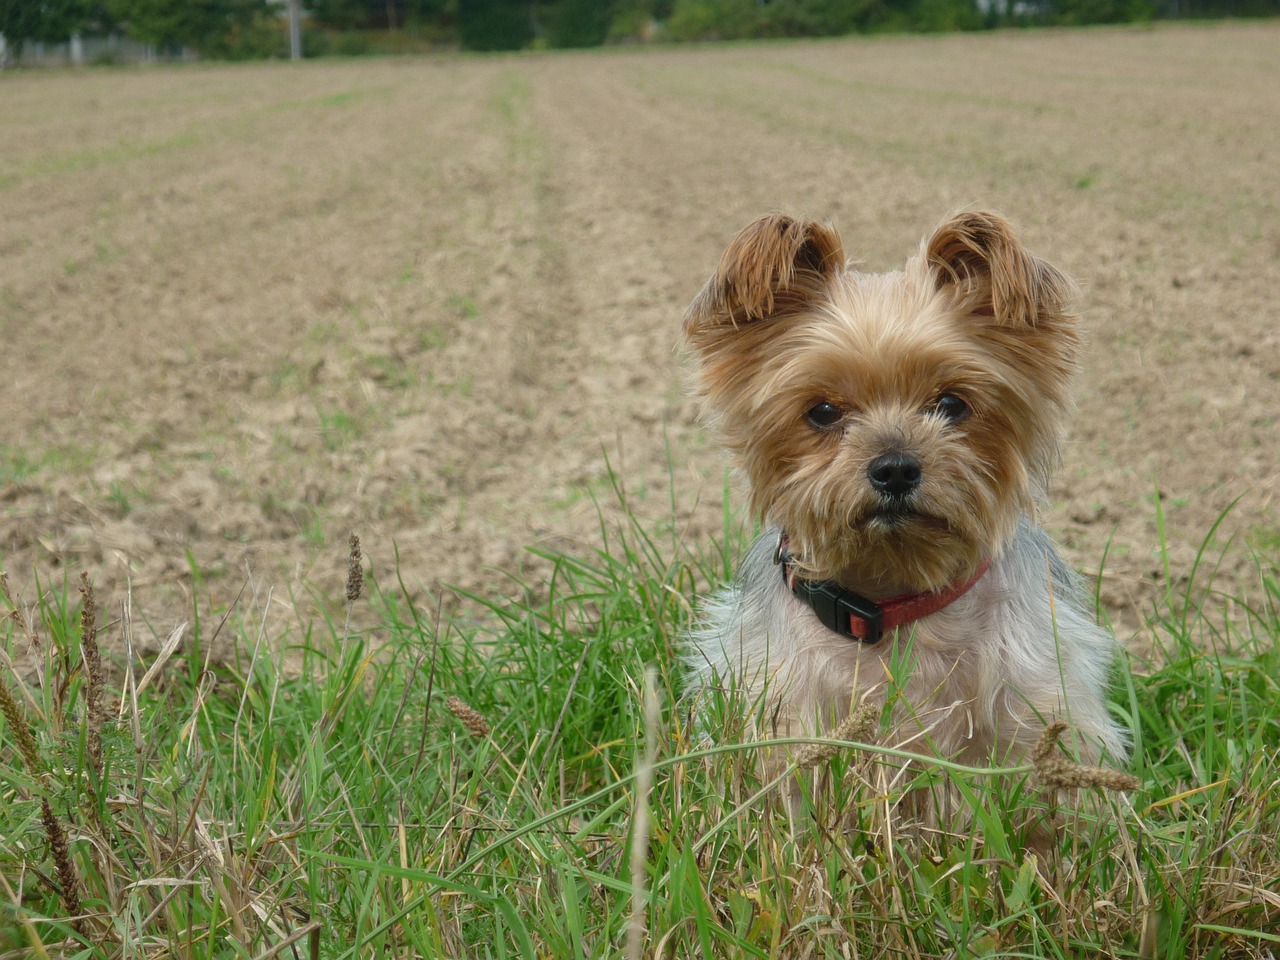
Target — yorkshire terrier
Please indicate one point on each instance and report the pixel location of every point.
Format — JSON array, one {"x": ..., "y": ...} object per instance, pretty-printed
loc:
[{"x": 897, "y": 432}]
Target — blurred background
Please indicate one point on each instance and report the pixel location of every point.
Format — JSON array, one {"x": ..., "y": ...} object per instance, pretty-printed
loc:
[{"x": 113, "y": 31}]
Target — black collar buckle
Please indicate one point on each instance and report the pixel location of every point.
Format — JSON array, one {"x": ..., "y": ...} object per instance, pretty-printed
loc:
[{"x": 835, "y": 605}]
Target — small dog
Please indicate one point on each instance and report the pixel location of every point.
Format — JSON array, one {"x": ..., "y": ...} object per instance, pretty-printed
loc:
[{"x": 897, "y": 431}]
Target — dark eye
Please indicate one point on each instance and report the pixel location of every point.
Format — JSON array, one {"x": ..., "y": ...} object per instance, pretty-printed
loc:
[
  {"x": 950, "y": 407},
  {"x": 823, "y": 415}
]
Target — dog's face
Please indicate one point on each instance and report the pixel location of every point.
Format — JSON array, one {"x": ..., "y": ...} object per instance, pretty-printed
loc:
[{"x": 894, "y": 425}]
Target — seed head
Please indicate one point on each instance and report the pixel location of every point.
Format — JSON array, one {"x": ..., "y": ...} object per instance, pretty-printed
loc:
[
  {"x": 355, "y": 572},
  {"x": 94, "y": 713},
  {"x": 1048, "y": 740},
  {"x": 857, "y": 726},
  {"x": 68, "y": 877},
  {"x": 1066, "y": 773},
  {"x": 20, "y": 732},
  {"x": 471, "y": 718}
]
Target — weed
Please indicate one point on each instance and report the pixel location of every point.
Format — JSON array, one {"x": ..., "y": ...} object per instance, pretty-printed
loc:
[
  {"x": 463, "y": 306},
  {"x": 311, "y": 527},
  {"x": 463, "y": 386},
  {"x": 16, "y": 465},
  {"x": 389, "y": 371},
  {"x": 123, "y": 495},
  {"x": 338, "y": 429}
]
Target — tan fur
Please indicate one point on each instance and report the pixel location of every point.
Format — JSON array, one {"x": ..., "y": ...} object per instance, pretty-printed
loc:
[
  {"x": 775, "y": 264},
  {"x": 784, "y": 325}
]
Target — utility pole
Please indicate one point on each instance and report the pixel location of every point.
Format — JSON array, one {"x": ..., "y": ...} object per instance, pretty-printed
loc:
[{"x": 295, "y": 31}]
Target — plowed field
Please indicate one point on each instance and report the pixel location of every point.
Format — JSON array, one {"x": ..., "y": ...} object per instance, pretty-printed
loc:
[{"x": 249, "y": 309}]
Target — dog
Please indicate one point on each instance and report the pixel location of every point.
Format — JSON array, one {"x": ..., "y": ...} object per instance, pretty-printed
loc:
[{"x": 897, "y": 432}]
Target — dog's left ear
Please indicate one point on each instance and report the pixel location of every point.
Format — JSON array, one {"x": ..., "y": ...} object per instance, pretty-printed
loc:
[{"x": 977, "y": 255}]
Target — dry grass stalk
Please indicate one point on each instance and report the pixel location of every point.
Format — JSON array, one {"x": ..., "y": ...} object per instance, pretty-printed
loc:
[
  {"x": 1064, "y": 772},
  {"x": 68, "y": 878},
  {"x": 640, "y": 821},
  {"x": 95, "y": 715},
  {"x": 471, "y": 718},
  {"x": 15, "y": 614}
]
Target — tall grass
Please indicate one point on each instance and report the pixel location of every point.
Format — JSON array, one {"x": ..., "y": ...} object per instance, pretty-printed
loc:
[{"x": 384, "y": 782}]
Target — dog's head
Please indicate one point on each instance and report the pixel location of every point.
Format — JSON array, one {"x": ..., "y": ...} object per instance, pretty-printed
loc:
[{"x": 895, "y": 425}]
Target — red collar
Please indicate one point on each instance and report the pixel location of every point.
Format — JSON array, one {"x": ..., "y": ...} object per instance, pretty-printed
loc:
[{"x": 853, "y": 615}]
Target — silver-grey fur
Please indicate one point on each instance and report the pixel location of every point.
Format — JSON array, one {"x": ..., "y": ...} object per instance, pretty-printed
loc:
[{"x": 987, "y": 672}]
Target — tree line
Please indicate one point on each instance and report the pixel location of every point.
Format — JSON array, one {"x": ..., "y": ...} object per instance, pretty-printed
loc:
[
  {"x": 212, "y": 27},
  {"x": 254, "y": 28}
]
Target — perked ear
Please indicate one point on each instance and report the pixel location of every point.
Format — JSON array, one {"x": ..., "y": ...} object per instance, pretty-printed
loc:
[
  {"x": 993, "y": 274},
  {"x": 776, "y": 264}
]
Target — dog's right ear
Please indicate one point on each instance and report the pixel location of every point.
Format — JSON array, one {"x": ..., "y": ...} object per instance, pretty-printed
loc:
[
  {"x": 978, "y": 257},
  {"x": 776, "y": 264}
]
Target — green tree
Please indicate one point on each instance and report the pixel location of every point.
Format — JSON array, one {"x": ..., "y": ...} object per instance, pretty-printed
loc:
[
  {"x": 579, "y": 23},
  {"x": 374, "y": 14},
  {"x": 440, "y": 13},
  {"x": 714, "y": 19},
  {"x": 341, "y": 14},
  {"x": 816, "y": 18},
  {"x": 23, "y": 20},
  {"x": 205, "y": 25},
  {"x": 1076, "y": 12},
  {"x": 20, "y": 21},
  {"x": 495, "y": 24}
]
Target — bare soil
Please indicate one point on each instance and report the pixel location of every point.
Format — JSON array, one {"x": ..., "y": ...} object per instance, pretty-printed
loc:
[{"x": 249, "y": 309}]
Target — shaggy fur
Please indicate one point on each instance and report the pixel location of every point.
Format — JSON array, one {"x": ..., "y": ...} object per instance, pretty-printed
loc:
[{"x": 812, "y": 372}]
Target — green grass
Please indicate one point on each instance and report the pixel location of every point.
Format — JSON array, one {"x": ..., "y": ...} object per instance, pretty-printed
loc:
[
  {"x": 328, "y": 793},
  {"x": 121, "y": 152}
]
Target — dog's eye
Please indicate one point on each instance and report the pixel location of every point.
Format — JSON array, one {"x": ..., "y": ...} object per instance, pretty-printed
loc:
[
  {"x": 823, "y": 415},
  {"x": 950, "y": 407}
]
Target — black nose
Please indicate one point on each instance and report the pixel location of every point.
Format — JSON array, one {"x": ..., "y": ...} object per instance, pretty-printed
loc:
[{"x": 894, "y": 474}]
